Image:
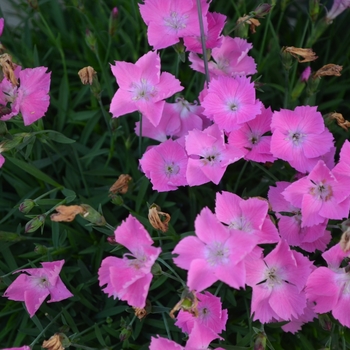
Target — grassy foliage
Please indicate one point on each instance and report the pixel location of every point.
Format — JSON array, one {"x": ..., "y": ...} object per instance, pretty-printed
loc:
[{"x": 76, "y": 152}]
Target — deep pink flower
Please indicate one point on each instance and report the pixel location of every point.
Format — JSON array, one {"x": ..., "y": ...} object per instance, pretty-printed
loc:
[
  {"x": 230, "y": 102},
  {"x": 209, "y": 155},
  {"x": 24, "y": 347},
  {"x": 343, "y": 166},
  {"x": 35, "y": 285},
  {"x": 300, "y": 137},
  {"x": 142, "y": 87},
  {"x": 230, "y": 59},
  {"x": 251, "y": 138},
  {"x": 216, "y": 23},
  {"x": 168, "y": 21},
  {"x": 2, "y": 23},
  {"x": 210, "y": 317},
  {"x": 165, "y": 166},
  {"x": 328, "y": 288},
  {"x": 249, "y": 216},
  {"x": 278, "y": 281},
  {"x": 31, "y": 98},
  {"x": 2, "y": 160},
  {"x": 305, "y": 75},
  {"x": 129, "y": 278},
  {"x": 289, "y": 222},
  {"x": 320, "y": 195},
  {"x": 213, "y": 254}
]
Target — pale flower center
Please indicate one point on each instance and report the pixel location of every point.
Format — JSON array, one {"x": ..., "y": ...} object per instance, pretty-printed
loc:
[
  {"x": 297, "y": 138},
  {"x": 171, "y": 169},
  {"x": 254, "y": 139},
  {"x": 143, "y": 90},
  {"x": 321, "y": 191},
  {"x": 272, "y": 277},
  {"x": 241, "y": 223},
  {"x": 211, "y": 157},
  {"x": 176, "y": 21},
  {"x": 217, "y": 254}
]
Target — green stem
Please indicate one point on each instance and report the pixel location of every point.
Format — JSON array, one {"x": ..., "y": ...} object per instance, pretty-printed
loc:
[
  {"x": 140, "y": 136},
  {"x": 51, "y": 191},
  {"x": 82, "y": 346},
  {"x": 172, "y": 270},
  {"x": 273, "y": 177},
  {"x": 109, "y": 226},
  {"x": 201, "y": 27},
  {"x": 22, "y": 267},
  {"x": 240, "y": 176}
]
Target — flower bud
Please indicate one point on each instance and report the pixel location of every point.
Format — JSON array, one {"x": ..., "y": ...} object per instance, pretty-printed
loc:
[
  {"x": 33, "y": 4},
  {"x": 35, "y": 223},
  {"x": 3, "y": 127},
  {"x": 26, "y": 206},
  {"x": 117, "y": 200},
  {"x": 93, "y": 215},
  {"x": 156, "y": 270},
  {"x": 113, "y": 22},
  {"x": 325, "y": 322},
  {"x": 314, "y": 9},
  {"x": 125, "y": 333},
  {"x": 90, "y": 39},
  {"x": 40, "y": 249},
  {"x": 262, "y": 10},
  {"x": 12, "y": 143},
  {"x": 10, "y": 237},
  {"x": 260, "y": 341}
]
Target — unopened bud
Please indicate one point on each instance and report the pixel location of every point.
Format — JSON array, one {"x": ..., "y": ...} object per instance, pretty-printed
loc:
[
  {"x": 314, "y": 9},
  {"x": 260, "y": 341},
  {"x": 111, "y": 240},
  {"x": 156, "y": 270},
  {"x": 325, "y": 322},
  {"x": 180, "y": 50},
  {"x": 33, "y": 4},
  {"x": 10, "y": 237},
  {"x": 113, "y": 21},
  {"x": 262, "y": 10},
  {"x": 125, "y": 333},
  {"x": 3, "y": 127},
  {"x": 241, "y": 28},
  {"x": 35, "y": 223},
  {"x": 12, "y": 143},
  {"x": 26, "y": 206},
  {"x": 90, "y": 39},
  {"x": 40, "y": 249},
  {"x": 93, "y": 215},
  {"x": 117, "y": 200}
]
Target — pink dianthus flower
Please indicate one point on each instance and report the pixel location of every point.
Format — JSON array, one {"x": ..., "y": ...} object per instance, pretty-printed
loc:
[
  {"x": 36, "y": 284},
  {"x": 337, "y": 8},
  {"x": 300, "y": 137},
  {"x": 31, "y": 98},
  {"x": 24, "y": 347},
  {"x": 168, "y": 21},
  {"x": 2, "y": 160},
  {"x": 142, "y": 87},
  {"x": 129, "y": 278},
  {"x": 230, "y": 102}
]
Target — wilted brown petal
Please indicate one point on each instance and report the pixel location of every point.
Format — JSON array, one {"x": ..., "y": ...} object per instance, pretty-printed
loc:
[
  {"x": 345, "y": 241},
  {"x": 345, "y": 124},
  {"x": 328, "y": 70},
  {"x": 8, "y": 68},
  {"x": 67, "y": 213},
  {"x": 54, "y": 343},
  {"x": 158, "y": 219},
  {"x": 87, "y": 75},
  {"x": 121, "y": 185},
  {"x": 307, "y": 54}
]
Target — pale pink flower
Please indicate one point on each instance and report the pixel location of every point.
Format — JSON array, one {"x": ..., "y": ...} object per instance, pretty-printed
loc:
[
  {"x": 24, "y": 347},
  {"x": 31, "y": 98},
  {"x": 2, "y": 160},
  {"x": 211, "y": 316},
  {"x": 251, "y": 138},
  {"x": 300, "y": 137},
  {"x": 213, "y": 254},
  {"x": 230, "y": 59},
  {"x": 129, "y": 278},
  {"x": 289, "y": 222},
  {"x": 278, "y": 281},
  {"x": 216, "y": 22},
  {"x": 165, "y": 166},
  {"x": 34, "y": 285},
  {"x": 343, "y": 166},
  {"x": 230, "y": 102},
  {"x": 328, "y": 288},
  {"x": 249, "y": 216},
  {"x": 209, "y": 155},
  {"x": 320, "y": 195},
  {"x": 142, "y": 87},
  {"x": 337, "y": 8},
  {"x": 168, "y": 21}
]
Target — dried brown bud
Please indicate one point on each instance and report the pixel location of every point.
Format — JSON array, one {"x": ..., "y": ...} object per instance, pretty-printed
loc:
[
  {"x": 142, "y": 313},
  {"x": 54, "y": 343},
  {"x": 345, "y": 124},
  {"x": 307, "y": 54},
  {"x": 253, "y": 23},
  {"x": 8, "y": 68},
  {"x": 121, "y": 185},
  {"x": 188, "y": 303},
  {"x": 345, "y": 241},
  {"x": 158, "y": 219},
  {"x": 67, "y": 213},
  {"x": 328, "y": 70},
  {"x": 87, "y": 75}
]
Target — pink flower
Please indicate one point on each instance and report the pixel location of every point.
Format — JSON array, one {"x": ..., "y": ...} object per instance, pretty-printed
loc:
[
  {"x": 129, "y": 278},
  {"x": 295, "y": 324},
  {"x": 213, "y": 254},
  {"x": 278, "y": 281},
  {"x": 216, "y": 23},
  {"x": 210, "y": 317},
  {"x": 251, "y": 138},
  {"x": 2, "y": 160},
  {"x": 165, "y": 166},
  {"x": 31, "y": 98},
  {"x": 338, "y": 7},
  {"x": 230, "y": 102},
  {"x": 248, "y": 216},
  {"x": 289, "y": 223},
  {"x": 24, "y": 347},
  {"x": 209, "y": 155},
  {"x": 142, "y": 87},
  {"x": 328, "y": 288},
  {"x": 305, "y": 75},
  {"x": 168, "y": 21},
  {"x": 320, "y": 195},
  {"x": 2, "y": 23},
  {"x": 300, "y": 137},
  {"x": 230, "y": 59},
  {"x": 343, "y": 166},
  {"x": 35, "y": 285}
]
